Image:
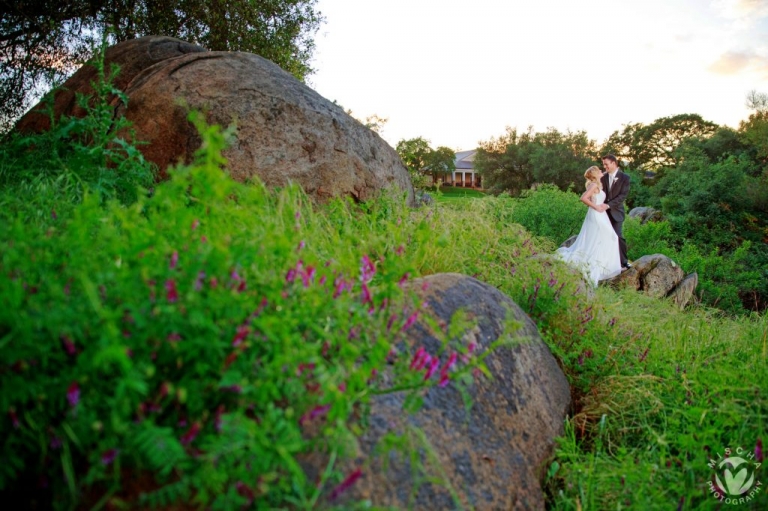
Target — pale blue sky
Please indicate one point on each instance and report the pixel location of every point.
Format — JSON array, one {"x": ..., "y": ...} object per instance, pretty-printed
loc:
[{"x": 457, "y": 72}]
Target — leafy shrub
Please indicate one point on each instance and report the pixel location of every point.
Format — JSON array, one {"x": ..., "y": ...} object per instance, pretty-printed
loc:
[
  {"x": 722, "y": 276},
  {"x": 549, "y": 212},
  {"x": 199, "y": 340},
  {"x": 52, "y": 170}
]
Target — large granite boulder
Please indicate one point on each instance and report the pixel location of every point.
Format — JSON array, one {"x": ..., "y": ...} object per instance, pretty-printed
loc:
[
  {"x": 493, "y": 456},
  {"x": 132, "y": 56},
  {"x": 286, "y": 132},
  {"x": 656, "y": 275},
  {"x": 683, "y": 293},
  {"x": 645, "y": 214}
]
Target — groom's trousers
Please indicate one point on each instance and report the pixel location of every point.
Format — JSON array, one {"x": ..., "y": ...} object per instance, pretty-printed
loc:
[{"x": 617, "y": 227}]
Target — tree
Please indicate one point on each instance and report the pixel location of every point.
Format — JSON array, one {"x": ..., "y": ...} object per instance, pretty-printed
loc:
[
  {"x": 43, "y": 41},
  {"x": 515, "y": 161},
  {"x": 420, "y": 159},
  {"x": 652, "y": 147},
  {"x": 754, "y": 131}
]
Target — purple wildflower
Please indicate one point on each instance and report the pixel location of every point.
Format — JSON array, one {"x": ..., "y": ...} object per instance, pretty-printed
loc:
[
  {"x": 195, "y": 224},
  {"x": 314, "y": 413},
  {"x": 245, "y": 491},
  {"x": 340, "y": 286},
  {"x": 189, "y": 437},
  {"x": 73, "y": 394},
  {"x": 433, "y": 364},
  {"x": 367, "y": 269},
  {"x": 174, "y": 260},
  {"x": 346, "y": 484},
  {"x": 108, "y": 457},
  {"x": 199, "y": 280},
  {"x": 404, "y": 279},
  {"x": 366, "y": 294},
  {"x": 410, "y": 321},
  {"x": 446, "y": 368},
  {"x": 69, "y": 346},
  {"x": 308, "y": 367},
  {"x": 171, "y": 294},
  {"x": 307, "y": 275},
  {"x": 417, "y": 357},
  {"x": 240, "y": 335},
  {"x": 759, "y": 450},
  {"x": 301, "y": 245}
]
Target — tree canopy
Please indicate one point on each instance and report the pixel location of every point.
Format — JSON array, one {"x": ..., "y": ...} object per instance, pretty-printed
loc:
[
  {"x": 652, "y": 146},
  {"x": 43, "y": 41},
  {"x": 516, "y": 160},
  {"x": 420, "y": 159}
]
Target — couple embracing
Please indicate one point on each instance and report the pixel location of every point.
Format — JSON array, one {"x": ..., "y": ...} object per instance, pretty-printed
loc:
[{"x": 600, "y": 250}]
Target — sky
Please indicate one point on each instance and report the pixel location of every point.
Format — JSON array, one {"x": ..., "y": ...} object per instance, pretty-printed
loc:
[{"x": 458, "y": 72}]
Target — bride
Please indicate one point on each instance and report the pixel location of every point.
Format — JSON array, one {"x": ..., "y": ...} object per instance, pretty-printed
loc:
[{"x": 596, "y": 250}]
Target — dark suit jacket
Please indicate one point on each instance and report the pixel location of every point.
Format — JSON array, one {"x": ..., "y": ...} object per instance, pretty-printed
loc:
[{"x": 616, "y": 196}]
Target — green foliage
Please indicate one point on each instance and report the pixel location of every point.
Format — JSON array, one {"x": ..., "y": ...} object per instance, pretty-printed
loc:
[
  {"x": 547, "y": 211},
  {"x": 515, "y": 161},
  {"x": 44, "y": 41},
  {"x": 652, "y": 147},
  {"x": 201, "y": 339},
  {"x": 723, "y": 277},
  {"x": 42, "y": 174},
  {"x": 421, "y": 160}
]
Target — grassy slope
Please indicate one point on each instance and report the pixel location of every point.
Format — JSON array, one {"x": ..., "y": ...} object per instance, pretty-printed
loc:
[{"x": 660, "y": 391}]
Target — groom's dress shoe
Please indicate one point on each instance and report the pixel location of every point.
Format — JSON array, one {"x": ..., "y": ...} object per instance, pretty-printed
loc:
[{"x": 627, "y": 266}]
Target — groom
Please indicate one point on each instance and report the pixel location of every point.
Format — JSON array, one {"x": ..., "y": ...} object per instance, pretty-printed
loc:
[{"x": 616, "y": 186}]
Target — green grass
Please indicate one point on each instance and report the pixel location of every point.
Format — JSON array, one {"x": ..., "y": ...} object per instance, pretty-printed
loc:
[{"x": 451, "y": 193}]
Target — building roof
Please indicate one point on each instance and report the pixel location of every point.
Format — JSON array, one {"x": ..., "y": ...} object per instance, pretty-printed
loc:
[{"x": 465, "y": 159}]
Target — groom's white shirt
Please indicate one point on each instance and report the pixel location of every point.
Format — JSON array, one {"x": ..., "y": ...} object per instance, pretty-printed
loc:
[{"x": 612, "y": 180}]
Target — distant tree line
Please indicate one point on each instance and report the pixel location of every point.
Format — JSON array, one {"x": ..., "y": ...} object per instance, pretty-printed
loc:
[{"x": 44, "y": 41}]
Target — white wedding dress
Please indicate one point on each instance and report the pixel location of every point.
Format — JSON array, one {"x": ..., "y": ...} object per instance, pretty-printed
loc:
[{"x": 596, "y": 250}]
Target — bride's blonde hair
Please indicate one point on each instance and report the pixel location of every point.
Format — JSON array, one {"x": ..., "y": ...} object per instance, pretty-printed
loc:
[{"x": 593, "y": 175}]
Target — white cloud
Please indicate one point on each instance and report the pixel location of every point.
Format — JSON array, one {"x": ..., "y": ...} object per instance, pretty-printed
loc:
[{"x": 732, "y": 62}]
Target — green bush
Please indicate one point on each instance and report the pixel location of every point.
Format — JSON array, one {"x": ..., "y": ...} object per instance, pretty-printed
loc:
[
  {"x": 43, "y": 174},
  {"x": 722, "y": 276},
  {"x": 208, "y": 335},
  {"x": 549, "y": 212}
]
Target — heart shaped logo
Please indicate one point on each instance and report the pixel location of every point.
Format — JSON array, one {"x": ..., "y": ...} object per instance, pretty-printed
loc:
[{"x": 735, "y": 481}]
